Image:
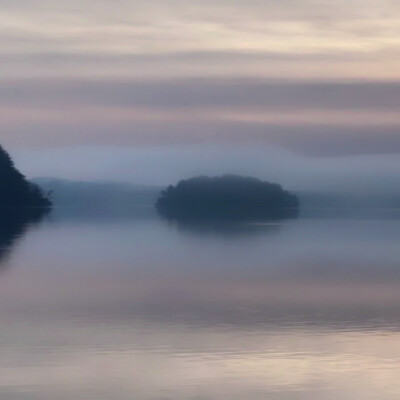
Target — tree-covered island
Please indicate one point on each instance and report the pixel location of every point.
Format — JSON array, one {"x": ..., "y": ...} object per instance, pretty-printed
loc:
[{"x": 227, "y": 197}]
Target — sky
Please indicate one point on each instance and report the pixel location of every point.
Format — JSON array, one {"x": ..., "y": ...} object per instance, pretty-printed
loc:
[{"x": 304, "y": 92}]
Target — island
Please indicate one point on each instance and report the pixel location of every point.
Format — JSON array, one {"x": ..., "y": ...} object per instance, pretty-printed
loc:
[
  {"x": 19, "y": 198},
  {"x": 228, "y": 197}
]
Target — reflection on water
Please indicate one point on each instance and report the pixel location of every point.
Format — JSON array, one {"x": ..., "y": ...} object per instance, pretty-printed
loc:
[
  {"x": 236, "y": 229},
  {"x": 136, "y": 308},
  {"x": 13, "y": 225}
]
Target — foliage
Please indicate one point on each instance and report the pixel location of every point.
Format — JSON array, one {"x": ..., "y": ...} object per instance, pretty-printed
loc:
[{"x": 15, "y": 190}]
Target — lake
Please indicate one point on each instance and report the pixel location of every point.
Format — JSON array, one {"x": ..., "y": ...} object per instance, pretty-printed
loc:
[{"x": 124, "y": 305}]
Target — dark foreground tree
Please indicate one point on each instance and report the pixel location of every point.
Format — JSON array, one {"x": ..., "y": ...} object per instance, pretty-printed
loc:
[
  {"x": 227, "y": 197},
  {"x": 18, "y": 195}
]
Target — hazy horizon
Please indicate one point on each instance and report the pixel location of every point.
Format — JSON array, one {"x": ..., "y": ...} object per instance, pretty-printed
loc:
[{"x": 155, "y": 166}]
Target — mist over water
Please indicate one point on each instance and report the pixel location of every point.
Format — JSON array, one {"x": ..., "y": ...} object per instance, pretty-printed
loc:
[
  {"x": 127, "y": 305},
  {"x": 164, "y": 165}
]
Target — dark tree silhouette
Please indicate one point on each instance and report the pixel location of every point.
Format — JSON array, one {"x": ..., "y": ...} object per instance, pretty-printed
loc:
[
  {"x": 227, "y": 197},
  {"x": 17, "y": 194},
  {"x": 22, "y": 204}
]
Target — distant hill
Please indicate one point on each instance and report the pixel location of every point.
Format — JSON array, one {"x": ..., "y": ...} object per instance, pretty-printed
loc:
[
  {"x": 227, "y": 197},
  {"x": 378, "y": 204},
  {"x": 92, "y": 198},
  {"x": 97, "y": 194},
  {"x": 370, "y": 199}
]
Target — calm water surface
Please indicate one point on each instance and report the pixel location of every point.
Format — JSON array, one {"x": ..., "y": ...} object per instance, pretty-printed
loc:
[{"x": 128, "y": 307}]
